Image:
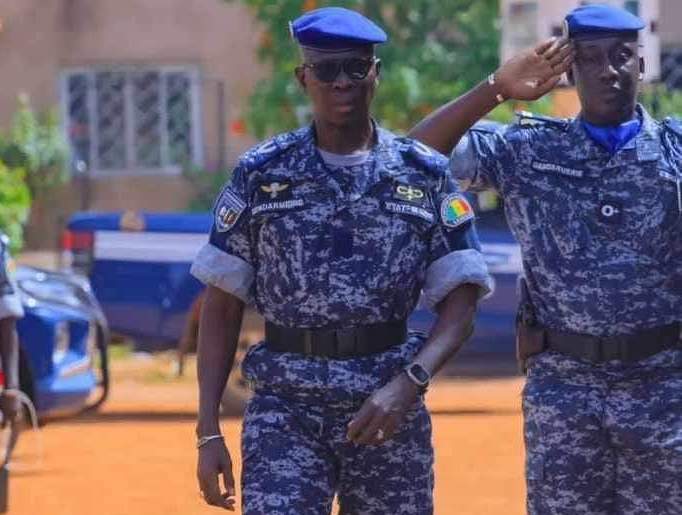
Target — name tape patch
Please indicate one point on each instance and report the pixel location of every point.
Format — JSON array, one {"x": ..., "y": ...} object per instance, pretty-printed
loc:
[
  {"x": 409, "y": 209},
  {"x": 545, "y": 167},
  {"x": 283, "y": 205}
]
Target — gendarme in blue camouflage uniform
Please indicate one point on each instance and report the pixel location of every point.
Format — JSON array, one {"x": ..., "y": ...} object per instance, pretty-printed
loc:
[
  {"x": 319, "y": 240},
  {"x": 599, "y": 222}
]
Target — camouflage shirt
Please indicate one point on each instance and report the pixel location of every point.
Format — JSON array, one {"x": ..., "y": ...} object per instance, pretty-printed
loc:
[
  {"x": 313, "y": 249},
  {"x": 600, "y": 234}
]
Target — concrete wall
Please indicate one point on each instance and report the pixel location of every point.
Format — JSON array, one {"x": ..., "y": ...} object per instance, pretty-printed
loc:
[
  {"x": 670, "y": 23},
  {"x": 41, "y": 38}
]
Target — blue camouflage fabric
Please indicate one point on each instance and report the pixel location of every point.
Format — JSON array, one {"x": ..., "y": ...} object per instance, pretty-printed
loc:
[
  {"x": 604, "y": 439},
  {"x": 601, "y": 242},
  {"x": 295, "y": 452},
  {"x": 318, "y": 246}
]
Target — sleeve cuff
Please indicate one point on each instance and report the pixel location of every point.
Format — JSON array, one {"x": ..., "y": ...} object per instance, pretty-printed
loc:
[
  {"x": 10, "y": 306},
  {"x": 225, "y": 271},
  {"x": 447, "y": 273}
]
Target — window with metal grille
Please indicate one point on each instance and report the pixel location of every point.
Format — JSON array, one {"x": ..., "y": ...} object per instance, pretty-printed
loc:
[{"x": 133, "y": 120}]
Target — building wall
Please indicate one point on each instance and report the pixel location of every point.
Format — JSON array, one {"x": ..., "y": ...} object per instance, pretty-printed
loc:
[
  {"x": 669, "y": 23},
  {"x": 39, "y": 39}
]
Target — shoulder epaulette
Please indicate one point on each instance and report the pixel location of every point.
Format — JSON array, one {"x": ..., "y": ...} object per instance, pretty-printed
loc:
[
  {"x": 674, "y": 125},
  {"x": 488, "y": 126},
  {"x": 524, "y": 118},
  {"x": 427, "y": 157},
  {"x": 270, "y": 149}
]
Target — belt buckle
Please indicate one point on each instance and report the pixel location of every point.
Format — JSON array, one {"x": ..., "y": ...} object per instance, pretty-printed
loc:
[{"x": 346, "y": 340}]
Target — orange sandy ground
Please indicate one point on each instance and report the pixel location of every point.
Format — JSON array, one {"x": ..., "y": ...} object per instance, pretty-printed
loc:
[{"x": 137, "y": 457}]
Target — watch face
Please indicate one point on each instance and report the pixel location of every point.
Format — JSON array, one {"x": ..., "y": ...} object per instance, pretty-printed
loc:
[{"x": 419, "y": 373}]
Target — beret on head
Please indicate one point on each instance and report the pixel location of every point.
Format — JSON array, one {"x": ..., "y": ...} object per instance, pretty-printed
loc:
[
  {"x": 335, "y": 28},
  {"x": 601, "y": 21}
]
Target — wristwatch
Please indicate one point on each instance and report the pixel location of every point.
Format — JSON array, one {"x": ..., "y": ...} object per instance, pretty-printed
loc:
[{"x": 418, "y": 375}]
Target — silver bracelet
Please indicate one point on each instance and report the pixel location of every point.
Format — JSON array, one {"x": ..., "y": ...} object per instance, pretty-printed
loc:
[
  {"x": 203, "y": 440},
  {"x": 491, "y": 82}
]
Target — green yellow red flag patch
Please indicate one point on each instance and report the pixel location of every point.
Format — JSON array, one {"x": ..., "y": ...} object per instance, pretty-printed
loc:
[{"x": 455, "y": 210}]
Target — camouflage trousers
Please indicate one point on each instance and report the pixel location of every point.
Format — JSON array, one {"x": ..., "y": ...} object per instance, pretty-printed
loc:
[
  {"x": 604, "y": 439},
  {"x": 295, "y": 454}
]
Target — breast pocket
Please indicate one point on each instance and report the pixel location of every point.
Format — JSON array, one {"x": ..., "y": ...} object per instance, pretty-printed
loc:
[
  {"x": 555, "y": 222},
  {"x": 661, "y": 216},
  {"x": 287, "y": 237}
]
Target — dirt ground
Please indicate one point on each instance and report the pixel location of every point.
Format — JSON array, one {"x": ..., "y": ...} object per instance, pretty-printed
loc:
[{"x": 137, "y": 457}]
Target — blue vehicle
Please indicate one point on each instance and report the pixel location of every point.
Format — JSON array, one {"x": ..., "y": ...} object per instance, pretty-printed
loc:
[
  {"x": 138, "y": 264},
  {"x": 63, "y": 338}
]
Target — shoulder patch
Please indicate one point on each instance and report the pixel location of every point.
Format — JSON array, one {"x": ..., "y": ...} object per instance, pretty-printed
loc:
[
  {"x": 228, "y": 209},
  {"x": 524, "y": 118},
  {"x": 455, "y": 210},
  {"x": 427, "y": 157},
  {"x": 270, "y": 149}
]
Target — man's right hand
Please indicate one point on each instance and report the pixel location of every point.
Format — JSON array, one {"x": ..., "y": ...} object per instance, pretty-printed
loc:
[
  {"x": 535, "y": 72},
  {"x": 214, "y": 460}
]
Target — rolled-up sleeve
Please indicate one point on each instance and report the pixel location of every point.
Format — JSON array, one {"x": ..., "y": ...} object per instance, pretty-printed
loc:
[
  {"x": 225, "y": 260},
  {"x": 11, "y": 306},
  {"x": 480, "y": 158},
  {"x": 455, "y": 251}
]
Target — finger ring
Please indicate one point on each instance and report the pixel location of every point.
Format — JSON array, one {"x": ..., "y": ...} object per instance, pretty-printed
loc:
[{"x": 380, "y": 434}]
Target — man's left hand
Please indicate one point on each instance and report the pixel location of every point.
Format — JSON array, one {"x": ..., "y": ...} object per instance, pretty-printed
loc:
[{"x": 383, "y": 412}]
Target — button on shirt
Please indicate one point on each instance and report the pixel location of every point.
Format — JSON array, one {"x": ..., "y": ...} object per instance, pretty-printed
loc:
[
  {"x": 317, "y": 244},
  {"x": 601, "y": 234}
]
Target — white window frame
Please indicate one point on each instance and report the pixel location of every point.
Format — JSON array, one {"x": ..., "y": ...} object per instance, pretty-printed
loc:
[{"x": 166, "y": 168}]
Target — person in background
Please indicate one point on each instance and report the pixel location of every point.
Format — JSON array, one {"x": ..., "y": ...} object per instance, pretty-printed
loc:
[{"x": 10, "y": 310}]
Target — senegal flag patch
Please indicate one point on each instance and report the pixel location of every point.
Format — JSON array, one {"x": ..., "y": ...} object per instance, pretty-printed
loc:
[{"x": 455, "y": 210}]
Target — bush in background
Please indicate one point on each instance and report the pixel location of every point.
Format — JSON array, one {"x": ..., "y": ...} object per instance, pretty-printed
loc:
[
  {"x": 33, "y": 160},
  {"x": 15, "y": 203},
  {"x": 206, "y": 185},
  {"x": 35, "y": 143},
  {"x": 661, "y": 101}
]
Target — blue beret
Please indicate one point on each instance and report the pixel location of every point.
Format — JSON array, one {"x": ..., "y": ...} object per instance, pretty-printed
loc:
[
  {"x": 599, "y": 20},
  {"x": 333, "y": 28}
]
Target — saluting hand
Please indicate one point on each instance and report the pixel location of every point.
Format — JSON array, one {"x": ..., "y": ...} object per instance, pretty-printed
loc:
[
  {"x": 383, "y": 412},
  {"x": 535, "y": 72},
  {"x": 214, "y": 460}
]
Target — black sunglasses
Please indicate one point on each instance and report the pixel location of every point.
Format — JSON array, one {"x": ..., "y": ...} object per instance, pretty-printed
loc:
[{"x": 356, "y": 68}]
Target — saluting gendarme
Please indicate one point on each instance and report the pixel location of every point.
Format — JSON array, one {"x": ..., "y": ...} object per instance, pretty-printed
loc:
[
  {"x": 596, "y": 206},
  {"x": 332, "y": 232}
]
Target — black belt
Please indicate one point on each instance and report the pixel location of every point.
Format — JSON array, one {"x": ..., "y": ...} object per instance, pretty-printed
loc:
[
  {"x": 628, "y": 348},
  {"x": 336, "y": 343}
]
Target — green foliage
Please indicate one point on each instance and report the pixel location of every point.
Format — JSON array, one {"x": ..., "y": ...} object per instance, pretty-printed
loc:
[
  {"x": 15, "y": 201},
  {"x": 437, "y": 50},
  {"x": 661, "y": 101},
  {"x": 206, "y": 185},
  {"x": 35, "y": 144}
]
